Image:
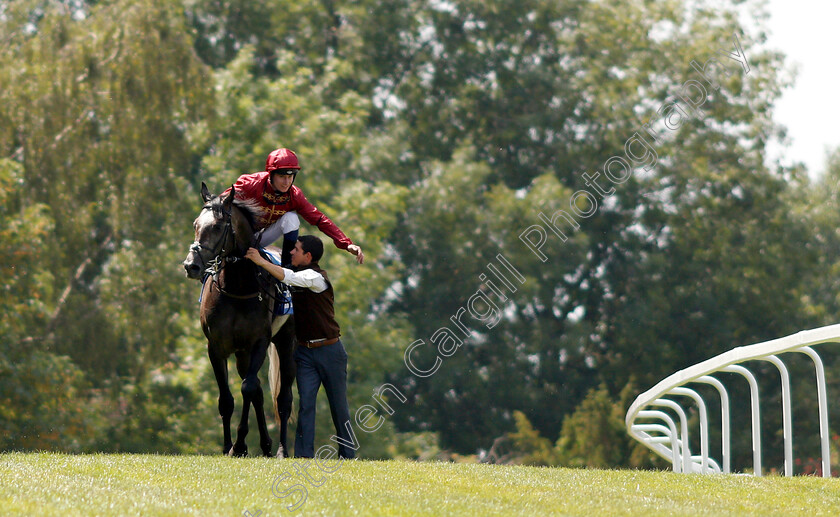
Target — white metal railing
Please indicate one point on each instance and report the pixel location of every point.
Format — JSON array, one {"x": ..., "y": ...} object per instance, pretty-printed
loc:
[{"x": 648, "y": 423}]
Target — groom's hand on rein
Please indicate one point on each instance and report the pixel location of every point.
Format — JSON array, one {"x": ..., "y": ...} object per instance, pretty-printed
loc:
[{"x": 254, "y": 256}]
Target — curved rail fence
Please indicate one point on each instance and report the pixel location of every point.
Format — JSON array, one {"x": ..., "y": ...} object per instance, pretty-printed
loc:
[{"x": 648, "y": 421}]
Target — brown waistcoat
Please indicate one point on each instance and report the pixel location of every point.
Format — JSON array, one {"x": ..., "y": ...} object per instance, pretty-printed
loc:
[{"x": 314, "y": 312}]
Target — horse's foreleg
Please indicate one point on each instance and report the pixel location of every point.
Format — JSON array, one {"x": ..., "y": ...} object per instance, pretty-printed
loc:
[
  {"x": 249, "y": 366},
  {"x": 240, "y": 448},
  {"x": 265, "y": 440},
  {"x": 220, "y": 370}
]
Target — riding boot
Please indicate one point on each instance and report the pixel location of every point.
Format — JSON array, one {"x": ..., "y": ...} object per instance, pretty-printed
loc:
[{"x": 289, "y": 240}]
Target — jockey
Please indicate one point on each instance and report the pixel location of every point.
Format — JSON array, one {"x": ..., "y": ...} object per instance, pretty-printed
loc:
[{"x": 278, "y": 202}]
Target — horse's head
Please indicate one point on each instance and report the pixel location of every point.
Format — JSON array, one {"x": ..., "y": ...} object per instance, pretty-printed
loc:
[{"x": 221, "y": 232}]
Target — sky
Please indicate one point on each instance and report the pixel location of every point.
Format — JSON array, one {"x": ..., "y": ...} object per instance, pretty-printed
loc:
[{"x": 808, "y": 31}]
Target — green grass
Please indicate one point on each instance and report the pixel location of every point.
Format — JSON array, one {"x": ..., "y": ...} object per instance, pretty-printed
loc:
[{"x": 58, "y": 484}]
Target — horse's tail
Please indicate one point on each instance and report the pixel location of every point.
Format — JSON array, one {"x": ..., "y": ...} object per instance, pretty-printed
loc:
[{"x": 274, "y": 378}]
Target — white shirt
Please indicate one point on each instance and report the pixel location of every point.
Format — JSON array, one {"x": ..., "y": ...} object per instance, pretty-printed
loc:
[{"x": 307, "y": 278}]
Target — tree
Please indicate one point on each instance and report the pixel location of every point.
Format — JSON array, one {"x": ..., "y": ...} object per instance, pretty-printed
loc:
[
  {"x": 95, "y": 100},
  {"x": 442, "y": 137},
  {"x": 648, "y": 278}
]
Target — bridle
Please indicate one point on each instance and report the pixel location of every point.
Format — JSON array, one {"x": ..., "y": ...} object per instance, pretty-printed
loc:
[
  {"x": 218, "y": 251},
  {"x": 220, "y": 259}
]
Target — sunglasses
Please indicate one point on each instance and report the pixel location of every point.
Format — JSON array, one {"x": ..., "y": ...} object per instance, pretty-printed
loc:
[{"x": 285, "y": 172}]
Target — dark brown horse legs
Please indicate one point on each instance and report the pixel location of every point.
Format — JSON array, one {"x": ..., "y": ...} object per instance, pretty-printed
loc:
[
  {"x": 249, "y": 366},
  {"x": 240, "y": 448},
  {"x": 265, "y": 440},
  {"x": 220, "y": 370},
  {"x": 284, "y": 343},
  {"x": 284, "y": 408}
]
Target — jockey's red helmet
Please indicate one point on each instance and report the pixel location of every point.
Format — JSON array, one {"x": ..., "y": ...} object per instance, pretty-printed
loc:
[{"x": 281, "y": 159}]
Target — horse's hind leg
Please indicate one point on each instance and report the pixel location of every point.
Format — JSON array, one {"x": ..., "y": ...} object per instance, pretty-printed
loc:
[
  {"x": 284, "y": 343},
  {"x": 220, "y": 370},
  {"x": 249, "y": 366},
  {"x": 284, "y": 405}
]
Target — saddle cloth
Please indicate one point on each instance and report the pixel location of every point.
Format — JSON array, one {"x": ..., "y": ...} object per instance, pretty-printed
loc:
[
  {"x": 272, "y": 253},
  {"x": 281, "y": 297}
]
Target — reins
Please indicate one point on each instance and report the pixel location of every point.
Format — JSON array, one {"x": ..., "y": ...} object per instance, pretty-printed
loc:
[
  {"x": 221, "y": 259},
  {"x": 215, "y": 282}
]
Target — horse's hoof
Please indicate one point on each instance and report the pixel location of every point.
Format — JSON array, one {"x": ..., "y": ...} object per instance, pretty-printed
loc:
[
  {"x": 266, "y": 449},
  {"x": 238, "y": 453},
  {"x": 281, "y": 453}
]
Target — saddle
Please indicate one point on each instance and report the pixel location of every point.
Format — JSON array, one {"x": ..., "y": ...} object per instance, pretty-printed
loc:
[{"x": 280, "y": 296}]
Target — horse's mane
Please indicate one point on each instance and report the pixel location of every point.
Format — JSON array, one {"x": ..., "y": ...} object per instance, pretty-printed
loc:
[{"x": 249, "y": 208}]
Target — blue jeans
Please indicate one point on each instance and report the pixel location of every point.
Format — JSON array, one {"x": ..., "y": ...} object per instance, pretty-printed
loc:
[{"x": 325, "y": 365}]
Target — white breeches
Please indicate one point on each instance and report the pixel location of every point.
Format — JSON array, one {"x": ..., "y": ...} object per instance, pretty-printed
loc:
[{"x": 289, "y": 222}]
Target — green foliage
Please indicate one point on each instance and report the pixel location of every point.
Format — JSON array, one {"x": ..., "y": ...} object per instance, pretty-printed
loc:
[
  {"x": 94, "y": 102},
  {"x": 27, "y": 282},
  {"x": 534, "y": 449},
  {"x": 595, "y": 436},
  {"x": 256, "y": 114},
  {"x": 820, "y": 209},
  {"x": 683, "y": 261},
  {"x": 40, "y": 393},
  {"x": 592, "y": 436},
  {"x": 42, "y": 403},
  {"x": 433, "y": 134}
]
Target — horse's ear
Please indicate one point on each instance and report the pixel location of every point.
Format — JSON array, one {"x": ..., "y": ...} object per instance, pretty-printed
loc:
[
  {"x": 205, "y": 193},
  {"x": 228, "y": 202}
]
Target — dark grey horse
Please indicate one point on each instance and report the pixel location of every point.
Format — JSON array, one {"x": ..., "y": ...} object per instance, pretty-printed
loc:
[{"x": 237, "y": 319}]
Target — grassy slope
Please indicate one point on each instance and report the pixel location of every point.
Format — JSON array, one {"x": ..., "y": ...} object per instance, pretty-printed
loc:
[{"x": 55, "y": 484}]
